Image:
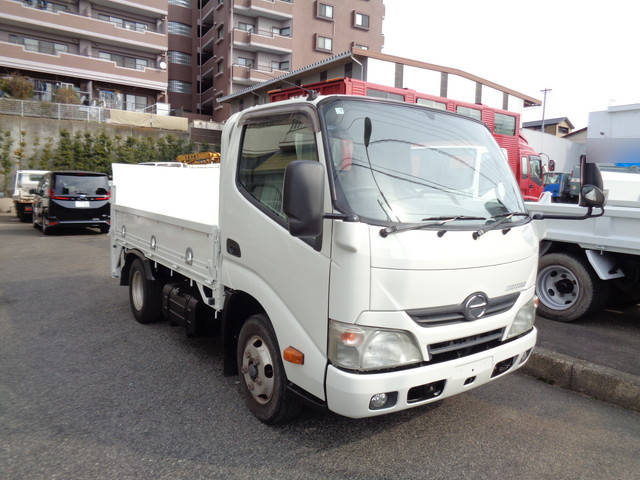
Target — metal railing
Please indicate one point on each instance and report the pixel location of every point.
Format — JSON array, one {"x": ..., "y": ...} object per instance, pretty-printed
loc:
[{"x": 59, "y": 111}]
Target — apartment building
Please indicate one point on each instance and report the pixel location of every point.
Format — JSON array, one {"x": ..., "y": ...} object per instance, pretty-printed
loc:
[
  {"x": 112, "y": 52},
  {"x": 217, "y": 47}
]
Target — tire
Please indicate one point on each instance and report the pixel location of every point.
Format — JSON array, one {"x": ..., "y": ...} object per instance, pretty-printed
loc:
[
  {"x": 262, "y": 377},
  {"x": 43, "y": 226},
  {"x": 104, "y": 228},
  {"x": 567, "y": 287},
  {"x": 145, "y": 296}
]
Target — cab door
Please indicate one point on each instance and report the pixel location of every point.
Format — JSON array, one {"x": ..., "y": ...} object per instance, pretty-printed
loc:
[{"x": 288, "y": 276}]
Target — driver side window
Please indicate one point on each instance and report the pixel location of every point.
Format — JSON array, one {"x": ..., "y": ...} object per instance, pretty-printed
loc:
[{"x": 267, "y": 148}]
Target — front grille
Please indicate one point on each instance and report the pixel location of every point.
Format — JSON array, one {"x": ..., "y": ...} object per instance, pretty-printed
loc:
[
  {"x": 462, "y": 347},
  {"x": 448, "y": 314}
]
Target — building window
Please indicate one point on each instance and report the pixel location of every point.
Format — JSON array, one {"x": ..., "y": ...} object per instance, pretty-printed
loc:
[
  {"x": 181, "y": 3},
  {"x": 136, "y": 103},
  {"x": 220, "y": 33},
  {"x": 41, "y": 46},
  {"x": 283, "y": 32},
  {"x": 177, "y": 28},
  {"x": 179, "y": 57},
  {"x": 119, "y": 22},
  {"x": 563, "y": 130},
  {"x": 361, "y": 20},
  {"x": 123, "y": 61},
  {"x": 243, "y": 62},
  {"x": 282, "y": 140},
  {"x": 469, "y": 112},
  {"x": 431, "y": 103},
  {"x": 247, "y": 27},
  {"x": 325, "y": 11},
  {"x": 324, "y": 43},
  {"x": 178, "y": 86},
  {"x": 275, "y": 65},
  {"x": 361, "y": 47},
  {"x": 504, "y": 124},
  {"x": 219, "y": 67}
]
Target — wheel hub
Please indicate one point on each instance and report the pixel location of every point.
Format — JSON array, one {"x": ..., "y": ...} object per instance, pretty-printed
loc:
[
  {"x": 257, "y": 369},
  {"x": 557, "y": 287}
]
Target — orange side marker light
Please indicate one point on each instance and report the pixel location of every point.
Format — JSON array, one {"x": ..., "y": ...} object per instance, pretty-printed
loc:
[{"x": 293, "y": 355}]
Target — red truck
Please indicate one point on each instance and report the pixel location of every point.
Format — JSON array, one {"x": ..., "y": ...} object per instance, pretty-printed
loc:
[{"x": 524, "y": 161}]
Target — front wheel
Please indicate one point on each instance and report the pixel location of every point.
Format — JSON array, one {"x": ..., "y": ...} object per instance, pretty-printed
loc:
[
  {"x": 262, "y": 376},
  {"x": 145, "y": 296},
  {"x": 567, "y": 287}
]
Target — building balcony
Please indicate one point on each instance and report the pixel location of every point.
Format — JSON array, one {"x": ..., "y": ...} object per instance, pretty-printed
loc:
[
  {"x": 210, "y": 36},
  {"x": 275, "y": 9},
  {"x": 209, "y": 66},
  {"x": 261, "y": 41},
  {"x": 15, "y": 56},
  {"x": 156, "y": 7},
  {"x": 73, "y": 24},
  {"x": 244, "y": 75},
  {"x": 208, "y": 96},
  {"x": 208, "y": 9}
]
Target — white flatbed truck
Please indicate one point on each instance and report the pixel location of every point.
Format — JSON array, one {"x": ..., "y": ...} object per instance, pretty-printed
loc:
[
  {"x": 584, "y": 265},
  {"x": 354, "y": 255}
]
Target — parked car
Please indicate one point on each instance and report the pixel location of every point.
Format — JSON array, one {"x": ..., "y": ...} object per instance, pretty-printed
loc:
[{"x": 72, "y": 199}]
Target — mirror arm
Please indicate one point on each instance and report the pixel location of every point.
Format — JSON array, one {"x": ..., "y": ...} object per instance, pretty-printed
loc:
[
  {"x": 542, "y": 216},
  {"x": 342, "y": 216}
]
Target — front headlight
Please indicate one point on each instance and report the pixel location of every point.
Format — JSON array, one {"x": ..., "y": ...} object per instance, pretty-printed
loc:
[
  {"x": 368, "y": 348},
  {"x": 525, "y": 318}
]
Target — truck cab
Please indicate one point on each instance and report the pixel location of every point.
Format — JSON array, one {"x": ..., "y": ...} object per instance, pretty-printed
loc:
[
  {"x": 529, "y": 172},
  {"x": 25, "y": 182}
]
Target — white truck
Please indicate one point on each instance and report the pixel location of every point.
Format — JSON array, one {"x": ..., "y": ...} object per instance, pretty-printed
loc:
[
  {"x": 25, "y": 180},
  {"x": 585, "y": 265},
  {"x": 359, "y": 254}
]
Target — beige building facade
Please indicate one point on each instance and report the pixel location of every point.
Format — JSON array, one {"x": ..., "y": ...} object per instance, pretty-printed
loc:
[{"x": 111, "y": 52}]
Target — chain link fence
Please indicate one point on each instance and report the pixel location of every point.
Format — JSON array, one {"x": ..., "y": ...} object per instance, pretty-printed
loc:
[{"x": 60, "y": 111}]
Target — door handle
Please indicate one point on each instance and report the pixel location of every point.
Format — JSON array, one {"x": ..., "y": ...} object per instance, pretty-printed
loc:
[{"x": 233, "y": 248}]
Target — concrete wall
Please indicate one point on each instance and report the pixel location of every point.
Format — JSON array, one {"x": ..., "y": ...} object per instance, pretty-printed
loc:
[
  {"x": 565, "y": 152},
  {"x": 43, "y": 128}
]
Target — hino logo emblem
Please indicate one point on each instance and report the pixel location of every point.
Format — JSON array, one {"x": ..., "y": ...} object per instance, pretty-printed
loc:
[{"x": 475, "y": 306}]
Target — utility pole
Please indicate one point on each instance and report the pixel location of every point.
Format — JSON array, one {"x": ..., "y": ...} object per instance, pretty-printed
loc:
[{"x": 544, "y": 105}]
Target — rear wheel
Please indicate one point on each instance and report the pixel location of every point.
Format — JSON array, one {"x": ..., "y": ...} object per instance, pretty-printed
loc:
[
  {"x": 262, "y": 376},
  {"x": 43, "y": 226},
  {"x": 567, "y": 287},
  {"x": 145, "y": 296}
]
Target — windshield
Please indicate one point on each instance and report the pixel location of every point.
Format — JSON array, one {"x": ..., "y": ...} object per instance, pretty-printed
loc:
[
  {"x": 81, "y": 185},
  {"x": 29, "y": 179},
  {"x": 419, "y": 164}
]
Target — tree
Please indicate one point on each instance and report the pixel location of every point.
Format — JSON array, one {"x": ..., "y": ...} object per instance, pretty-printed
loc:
[
  {"x": 205, "y": 147},
  {"x": 34, "y": 159},
  {"x": 66, "y": 95},
  {"x": 146, "y": 150},
  {"x": 6, "y": 143},
  {"x": 46, "y": 155},
  {"x": 20, "y": 87},
  {"x": 63, "y": 156},
  {"x": 20, "y": 152},
  {"x": 86, "y": 160},
  {"x": 102, "y": 153}
]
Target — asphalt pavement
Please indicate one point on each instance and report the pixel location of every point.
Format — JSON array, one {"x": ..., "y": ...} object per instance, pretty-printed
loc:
[{"x": 88, "y": 393}]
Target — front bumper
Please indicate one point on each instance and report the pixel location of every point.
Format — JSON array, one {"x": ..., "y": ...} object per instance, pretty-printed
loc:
[{"x": 349, "y": 394}]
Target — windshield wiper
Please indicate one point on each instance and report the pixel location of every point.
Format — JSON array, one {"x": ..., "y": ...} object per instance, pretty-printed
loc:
[
  {"x": 498, "y": 220},
  {"x": 417, "y": 226}
]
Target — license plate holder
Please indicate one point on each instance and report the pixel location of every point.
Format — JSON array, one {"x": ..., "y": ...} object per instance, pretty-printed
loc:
[{"x": 82, "y": 204}]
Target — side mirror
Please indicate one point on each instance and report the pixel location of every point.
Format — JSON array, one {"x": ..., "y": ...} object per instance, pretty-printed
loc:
[
  {"x": 590, "y": 177},
  {"x": 552, "y": 165},
  {"x": 303, "y": 197},
  {"x": 591, "y": 196}
]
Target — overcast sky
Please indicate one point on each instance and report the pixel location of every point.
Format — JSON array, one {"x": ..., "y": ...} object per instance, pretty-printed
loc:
[{"x": 586, "y": 51}]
